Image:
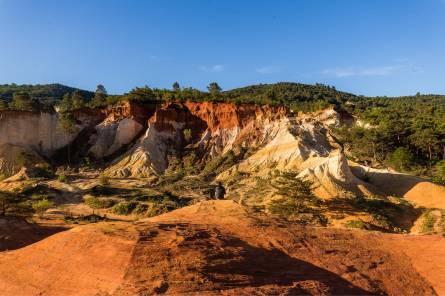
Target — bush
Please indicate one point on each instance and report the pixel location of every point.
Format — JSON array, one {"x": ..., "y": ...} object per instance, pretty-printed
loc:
[
  {"x": 41, "y": 206},
  {"x": 187, "y": 135},
  {"x": 99, "y": 203},
  {"x": 428, "y": 222},
  {"x": 2, "y": 177},
  {"x": 62, "y": 178},
  {"x": 356, "y": 224},
  {"x": 156, "y": 209},
  {"x": 124, "y": 208},
  {"x": 141, "y": 210},
  {"x": 440, "y": 172},
  {"x": 221, "y": 162},
  {"x": 93, "y": 218}
]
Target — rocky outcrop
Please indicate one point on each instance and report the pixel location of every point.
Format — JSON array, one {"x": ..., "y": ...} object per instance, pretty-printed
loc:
[
  {"x": 111, "y": 136},
  {"x": 37, "y": 131},
  {"x": 123, "y": 124},
  {"x": 214, "y": 129},
  {"x": 42, "y": 132},
  {"x": 144, "y": 137},
  {"x": 332, "y": 177}
]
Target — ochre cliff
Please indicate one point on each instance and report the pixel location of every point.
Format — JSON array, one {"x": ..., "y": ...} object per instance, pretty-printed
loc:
[{"x": 141, "y": 139}]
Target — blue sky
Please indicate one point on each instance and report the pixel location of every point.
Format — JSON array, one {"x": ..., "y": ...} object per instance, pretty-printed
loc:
[{"x": 369, "y": 47}]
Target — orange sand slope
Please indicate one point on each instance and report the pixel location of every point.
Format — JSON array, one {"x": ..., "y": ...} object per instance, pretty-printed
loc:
[{"x": 220, "y": 248}]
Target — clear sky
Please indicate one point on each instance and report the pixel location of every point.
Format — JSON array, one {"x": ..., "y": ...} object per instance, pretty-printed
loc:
[{"x": 369, "y": 47}]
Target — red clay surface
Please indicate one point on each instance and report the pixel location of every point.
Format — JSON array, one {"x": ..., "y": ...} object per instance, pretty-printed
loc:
[{"x": 219, "y": 248}]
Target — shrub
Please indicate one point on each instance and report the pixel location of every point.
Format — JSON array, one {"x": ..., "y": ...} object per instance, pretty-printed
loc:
[
  {"x": 2, "y": 177},
  {"x": 62, "y": 178},
  {"x": 124, "y": 208},
  {"x": 99, "y": 203},
  {"x": 221, "y": 162},
  {"x": 156, "y": 209},
  {"x": 41, "y": 206},
  {"x": 356, "y": 224},
  {"x": 428, "y": 222},
  {"x": 141, "y": 209},
  {"x": 67, "y": 122},
  {"x": 440, "y": 172},
  {"x": 38, "y": 196},
  {"x": 187, "y": 135},
  {"x": 93, "y": 218}
]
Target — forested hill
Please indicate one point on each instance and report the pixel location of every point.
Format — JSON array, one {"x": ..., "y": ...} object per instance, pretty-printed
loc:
[
  {"x": 47, "y": 94},
  {"x": 296, "y": 96},
  {"x": 293, "y": 95}
]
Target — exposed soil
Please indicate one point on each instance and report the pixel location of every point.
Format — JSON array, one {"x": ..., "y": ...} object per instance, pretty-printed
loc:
[{"x": 221, "y": 248}]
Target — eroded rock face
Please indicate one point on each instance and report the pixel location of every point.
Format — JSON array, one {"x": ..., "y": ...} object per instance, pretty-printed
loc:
[
  {"x": 111, "y": 136},
  {"x": 214, "y": 128},
  {"x": 123, "y": 124},
  {"x": 41, "y": 131}
]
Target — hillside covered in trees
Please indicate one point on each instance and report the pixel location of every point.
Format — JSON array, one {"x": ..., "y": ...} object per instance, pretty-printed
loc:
[{"x": 405, "y": 133}]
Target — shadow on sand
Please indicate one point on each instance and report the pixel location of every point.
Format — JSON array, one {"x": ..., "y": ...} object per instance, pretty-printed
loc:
[
  {"x": 16, "y": 233},
  {"x": 243, "y": 265}
]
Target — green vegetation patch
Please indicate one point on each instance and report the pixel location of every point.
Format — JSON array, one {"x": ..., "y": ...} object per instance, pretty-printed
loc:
[
  {"x": 358, "y": 224},
  {"x": 124, "y": 208},
  {"x": 100, "y": 203}
]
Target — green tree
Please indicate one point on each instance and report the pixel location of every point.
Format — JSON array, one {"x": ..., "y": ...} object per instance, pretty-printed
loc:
[
  {"x": 101, "y": 89},
  {"x": 214, "y": 88},
  {"x": 142, "y": 94},
  {"x": 426, "y": 140},
  {"x": 78, "y": 100},
  {"x": 176, "y": 86},
  {"x": 66, "y": 104},
  {"x": 100, "y": 97},
  {"x": 23, "y": 101},
  {"x": 68, "y": 123},
  {"x": 296, "y": 195},
  {"x": 401, "y": 159}
]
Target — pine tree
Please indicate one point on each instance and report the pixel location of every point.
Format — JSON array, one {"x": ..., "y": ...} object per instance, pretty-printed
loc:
[
  {"x": 23, "y": 101},
  {"x": 176, "y": 86},
  {"x": 214, "y": 88},
  {"x": 100, "y": 97}
]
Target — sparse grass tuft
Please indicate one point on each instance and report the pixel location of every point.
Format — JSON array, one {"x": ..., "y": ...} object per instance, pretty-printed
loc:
[
  {"x": 41, "y": 206},
  {"x": 358, "y": 224},
  {"x": 62, "y": 178},
  {"x": 99, "y": 203},
  {"x": 429, "y": 220},
  {"x": 124, "y": 208}
]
